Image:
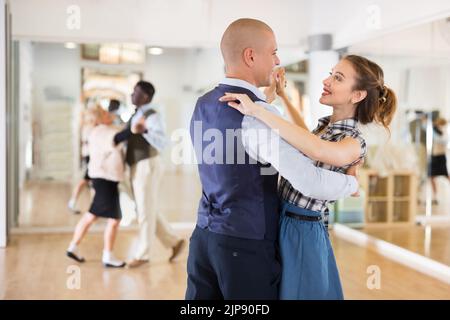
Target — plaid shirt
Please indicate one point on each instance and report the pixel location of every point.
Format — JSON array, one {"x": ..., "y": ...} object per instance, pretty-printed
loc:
[{"x": 330, "y": 132}]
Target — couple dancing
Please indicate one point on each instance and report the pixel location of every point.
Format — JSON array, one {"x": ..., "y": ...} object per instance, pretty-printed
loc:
[
  {"x": 257, "y": 236},
  {"x": 144, "y": 138}
]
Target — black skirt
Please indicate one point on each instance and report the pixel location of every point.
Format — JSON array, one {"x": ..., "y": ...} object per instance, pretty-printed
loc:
[
  {"x": 106, "y": 202},
  {"x": 439, "y": 166}
]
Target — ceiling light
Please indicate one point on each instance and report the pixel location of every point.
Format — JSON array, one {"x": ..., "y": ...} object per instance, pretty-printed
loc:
[
  {"x": 155, "y": 51},
  {"x": 70, "y": 45},
  {"x": 116, "y": 53}
]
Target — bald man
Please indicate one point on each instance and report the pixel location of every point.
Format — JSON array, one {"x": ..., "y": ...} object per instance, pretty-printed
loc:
[
  {"x": 249, "y": 50},
  {"x": 233, "y": 252}
]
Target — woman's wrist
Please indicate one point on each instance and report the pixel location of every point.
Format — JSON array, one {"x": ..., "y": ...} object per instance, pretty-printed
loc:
[
  {"x": 283, "y": 95},
  {"x": 260, "y": 113},
  {"x": 270, "y": 98}
]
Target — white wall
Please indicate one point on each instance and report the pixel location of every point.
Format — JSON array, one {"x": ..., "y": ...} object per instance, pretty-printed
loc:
[
  {"x": 2, "y": 128},
  {"x": 200, "y": 23},
  {"x": 427, "y": 88},
  {"x": 354, "y": 20},
  {"x": 424, "y": 40},
  {"x": 25, "y": 103}
]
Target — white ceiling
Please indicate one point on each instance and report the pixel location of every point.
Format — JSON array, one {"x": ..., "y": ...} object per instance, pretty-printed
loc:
[
  {"x": 172, "y": 23},
  {"x": 430, "y": 40},
  {"x": 200, "y": 23}
]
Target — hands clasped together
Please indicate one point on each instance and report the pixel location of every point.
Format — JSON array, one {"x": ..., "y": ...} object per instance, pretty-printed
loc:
[{"x": 246, "y": 106}]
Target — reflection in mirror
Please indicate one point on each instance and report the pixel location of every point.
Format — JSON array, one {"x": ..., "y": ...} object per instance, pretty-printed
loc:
[{"x": 405, "y": 178}]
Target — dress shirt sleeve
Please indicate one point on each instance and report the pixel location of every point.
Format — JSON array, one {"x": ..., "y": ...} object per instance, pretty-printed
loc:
[
  {"x": 266, "y": 146},
  {"x": 155, "y": 134}
]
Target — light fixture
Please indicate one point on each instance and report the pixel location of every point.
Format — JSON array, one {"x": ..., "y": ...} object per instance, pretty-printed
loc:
[
  {"x": 70, "y": 45},
  {"x": 116, "y": 53},
  {"x": 156, "y": 51},
  {"x": 109, "y": 53}
]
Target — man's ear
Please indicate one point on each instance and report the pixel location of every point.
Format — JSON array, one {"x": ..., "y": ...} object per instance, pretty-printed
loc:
[
  {"x": 358, "y": 96},
  {"x": 248, "y": 55}
]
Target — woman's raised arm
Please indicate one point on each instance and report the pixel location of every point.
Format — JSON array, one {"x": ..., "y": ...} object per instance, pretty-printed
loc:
[{"x": 339, "y": 153}]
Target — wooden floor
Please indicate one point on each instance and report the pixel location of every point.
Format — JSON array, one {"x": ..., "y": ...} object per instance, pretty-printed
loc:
[
  {"x": 44, "y": 203},
  {"x": 432, "y": 241},
  {"x": 35, "y": 267}
]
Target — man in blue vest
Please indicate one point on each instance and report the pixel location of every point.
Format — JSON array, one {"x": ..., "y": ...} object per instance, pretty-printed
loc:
[{"x": 233, "y": 251}]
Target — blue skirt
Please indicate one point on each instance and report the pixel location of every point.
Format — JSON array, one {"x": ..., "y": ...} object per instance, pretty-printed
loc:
[{"x": 309, "y": 270}]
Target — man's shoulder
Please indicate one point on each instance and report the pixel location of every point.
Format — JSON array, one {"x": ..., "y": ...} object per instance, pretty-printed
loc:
[
  {"x": 210, "y": 96},
  {"x": 269, "y": 107},
  {"x": 210, "y": 100}
]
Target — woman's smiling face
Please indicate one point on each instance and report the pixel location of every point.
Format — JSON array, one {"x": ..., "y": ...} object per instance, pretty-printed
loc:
[{"x": 338, "y": 87}]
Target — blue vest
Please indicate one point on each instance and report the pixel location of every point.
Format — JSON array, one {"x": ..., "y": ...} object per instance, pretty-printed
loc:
[{"x": 237, "y": 199}]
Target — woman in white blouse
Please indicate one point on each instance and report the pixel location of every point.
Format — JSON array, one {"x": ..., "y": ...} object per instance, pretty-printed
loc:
[{"x": 106, "y": 170}]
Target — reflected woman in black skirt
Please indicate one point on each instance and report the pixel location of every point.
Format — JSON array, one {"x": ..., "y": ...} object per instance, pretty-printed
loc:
[
  {"x": 439, "y": 158},
  {"x": 106, "y": 169}
]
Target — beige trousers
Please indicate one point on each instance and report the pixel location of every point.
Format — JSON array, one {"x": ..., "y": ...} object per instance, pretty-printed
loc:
[{"x": 145, "y": 179}]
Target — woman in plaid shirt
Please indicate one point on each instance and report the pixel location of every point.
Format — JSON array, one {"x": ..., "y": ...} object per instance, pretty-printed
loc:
[{"x": 355, "y": 90}]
